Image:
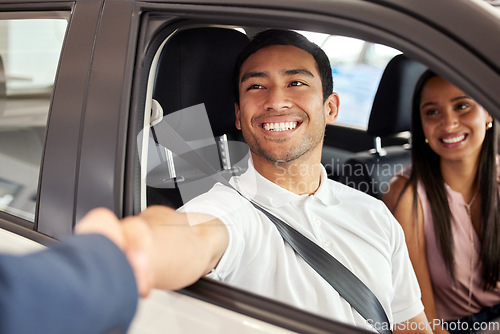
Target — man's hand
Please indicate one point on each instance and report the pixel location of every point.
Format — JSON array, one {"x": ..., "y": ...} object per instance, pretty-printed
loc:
[{"x": 132, "y": 235}]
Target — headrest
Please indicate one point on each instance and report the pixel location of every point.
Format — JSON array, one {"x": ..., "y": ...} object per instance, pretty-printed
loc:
[
  {"x": 196, "y": 66},
  {"x": 391, "y": 110}
]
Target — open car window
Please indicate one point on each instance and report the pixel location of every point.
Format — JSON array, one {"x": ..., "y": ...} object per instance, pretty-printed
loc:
[
  {"x": 168, "y": 179},
  {"x": 179, "y": 159}
]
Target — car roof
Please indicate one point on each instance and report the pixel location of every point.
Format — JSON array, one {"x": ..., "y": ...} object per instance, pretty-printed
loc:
[{"x": 462, "y": 19}]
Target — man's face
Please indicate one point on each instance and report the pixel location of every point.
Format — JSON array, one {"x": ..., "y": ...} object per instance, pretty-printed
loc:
[{"x": 281, "y": 113}]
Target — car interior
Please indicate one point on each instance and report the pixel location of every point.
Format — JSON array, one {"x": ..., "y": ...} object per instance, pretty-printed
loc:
[
  {"x": 370, "y": 171},
  {"x": 206, "y": 83},
  {"x": 195, "y": 99},
  {"x": 190, "y": 139}
]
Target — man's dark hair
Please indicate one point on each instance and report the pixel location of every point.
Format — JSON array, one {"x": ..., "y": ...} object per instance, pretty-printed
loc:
[{"x": 286, "y": 37}]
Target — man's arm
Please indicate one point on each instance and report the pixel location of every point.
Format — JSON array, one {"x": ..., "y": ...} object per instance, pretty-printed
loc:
[
  {"x": 416, "y": 325},
  {"x": 179, "y": 249},
  {"x": 186, "y": 246}
]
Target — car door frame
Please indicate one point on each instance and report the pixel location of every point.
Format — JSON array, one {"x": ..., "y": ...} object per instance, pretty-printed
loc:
[{"x": 341, "y": 16}]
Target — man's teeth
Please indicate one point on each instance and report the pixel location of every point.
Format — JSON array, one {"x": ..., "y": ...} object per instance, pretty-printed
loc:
[
  {"x": 280, "y": 126},
  {"x": 453, "y": 140}
]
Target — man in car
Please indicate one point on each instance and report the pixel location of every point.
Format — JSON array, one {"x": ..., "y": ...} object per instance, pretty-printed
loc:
[{"x": 284, "y": 101}]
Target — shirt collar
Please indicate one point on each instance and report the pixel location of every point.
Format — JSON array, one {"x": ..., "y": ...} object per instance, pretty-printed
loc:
[{"x": 257, "y": 187}]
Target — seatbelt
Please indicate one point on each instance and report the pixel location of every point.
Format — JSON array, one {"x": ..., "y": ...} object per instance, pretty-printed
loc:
[
  {"x": 353, "y": 290},
  {"x": 348, "y": 285}
]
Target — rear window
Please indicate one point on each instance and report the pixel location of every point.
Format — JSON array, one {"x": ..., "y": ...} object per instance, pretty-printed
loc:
[
  {"x": 357, "y": 67},
  {"x": 30, "y": 46}
]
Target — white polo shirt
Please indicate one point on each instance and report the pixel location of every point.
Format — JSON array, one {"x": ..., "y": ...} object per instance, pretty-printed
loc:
[{"x": 354, "y": 227}]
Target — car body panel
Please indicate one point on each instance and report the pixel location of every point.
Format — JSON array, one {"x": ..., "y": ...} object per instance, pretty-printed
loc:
[{"x": 58, "y": 184}]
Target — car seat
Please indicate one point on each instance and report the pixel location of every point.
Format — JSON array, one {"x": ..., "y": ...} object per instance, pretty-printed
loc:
[
  {"x": 370, "y": 171},
  {"x": 194, "y": 75}
]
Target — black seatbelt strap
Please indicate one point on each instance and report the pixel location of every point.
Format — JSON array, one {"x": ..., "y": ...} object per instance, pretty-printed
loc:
[
  {"x": 348, "y": 285},
  {"x": 353, "y": 290}
]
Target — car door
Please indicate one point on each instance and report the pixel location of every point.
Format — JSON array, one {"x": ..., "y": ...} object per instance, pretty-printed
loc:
[
  {"x": 445, "y": 48},
  {"x": 99, "y": 105}
]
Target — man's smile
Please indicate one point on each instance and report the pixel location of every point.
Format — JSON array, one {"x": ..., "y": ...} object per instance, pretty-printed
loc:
[{"x": 282, "y": 126}]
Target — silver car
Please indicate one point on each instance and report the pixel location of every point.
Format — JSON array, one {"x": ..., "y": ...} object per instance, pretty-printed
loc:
[{"x": 83, "y": 82}]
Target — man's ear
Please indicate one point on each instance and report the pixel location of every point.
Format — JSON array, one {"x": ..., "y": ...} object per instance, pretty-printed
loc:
[
  {"x": 237, "y": 114},
  {"x": 331, "y": 107}
]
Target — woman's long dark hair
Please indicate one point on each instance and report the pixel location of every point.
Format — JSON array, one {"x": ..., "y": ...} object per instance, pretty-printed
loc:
[{"x": 426, "y": 167}]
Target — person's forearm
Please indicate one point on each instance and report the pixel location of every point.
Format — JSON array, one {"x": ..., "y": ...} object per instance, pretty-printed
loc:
[
  {"x": 182, "y": 253},
  {"x": 416, "y": 325}
]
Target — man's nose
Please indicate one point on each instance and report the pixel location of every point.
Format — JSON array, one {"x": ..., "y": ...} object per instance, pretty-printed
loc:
[{"x": 277, "y": 99}]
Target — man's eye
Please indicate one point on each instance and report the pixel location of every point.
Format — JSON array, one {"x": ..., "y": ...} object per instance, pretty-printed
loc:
[
  {"x": 297, "y": 83},
  {"x": 254, "y": 87}
]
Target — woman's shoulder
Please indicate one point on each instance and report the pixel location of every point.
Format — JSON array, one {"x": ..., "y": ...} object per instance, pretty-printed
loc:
[
  {"x": 400, "y": 190},
  {"x": 406, "y": 172},
  {"x": 400, "y": 180}
]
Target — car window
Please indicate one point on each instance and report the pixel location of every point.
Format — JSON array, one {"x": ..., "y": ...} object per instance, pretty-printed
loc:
[
  {"x": 170, "y": 176},
  {"x": 357, "y": 66},
  {"x": 30, "y": 45}
]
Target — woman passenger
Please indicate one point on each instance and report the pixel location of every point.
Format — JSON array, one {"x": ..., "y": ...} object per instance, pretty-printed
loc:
[{"x": 448, "y": 205}]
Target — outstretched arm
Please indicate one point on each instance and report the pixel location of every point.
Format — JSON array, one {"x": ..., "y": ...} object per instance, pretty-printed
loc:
[
  {"x": 416, "y": 325},
  {"x": 178, "y": 249},
  {"x": 185, "y": 246}
]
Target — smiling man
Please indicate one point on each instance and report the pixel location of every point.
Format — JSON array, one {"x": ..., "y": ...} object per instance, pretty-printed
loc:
[
  {"x": 284, "y": 100},
  {"x": 282, "y": 113}
]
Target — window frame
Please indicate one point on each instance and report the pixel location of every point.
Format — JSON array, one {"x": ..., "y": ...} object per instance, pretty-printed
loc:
[{"x": 354, "y": 19}]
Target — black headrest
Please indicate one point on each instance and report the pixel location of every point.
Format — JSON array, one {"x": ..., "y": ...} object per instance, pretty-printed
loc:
[
  {"x": 391, "y": 110},
  {"x": 196, "y": 66}
]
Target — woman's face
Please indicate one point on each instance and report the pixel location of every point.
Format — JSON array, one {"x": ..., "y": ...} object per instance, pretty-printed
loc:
[{"x": 453, "y": 123}]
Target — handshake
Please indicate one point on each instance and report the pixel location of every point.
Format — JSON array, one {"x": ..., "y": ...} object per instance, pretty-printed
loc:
[
  {"x": 166, "y": 249},
  {"x": 132, "y": 235},
  {"x": 103, "y": 270}
]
